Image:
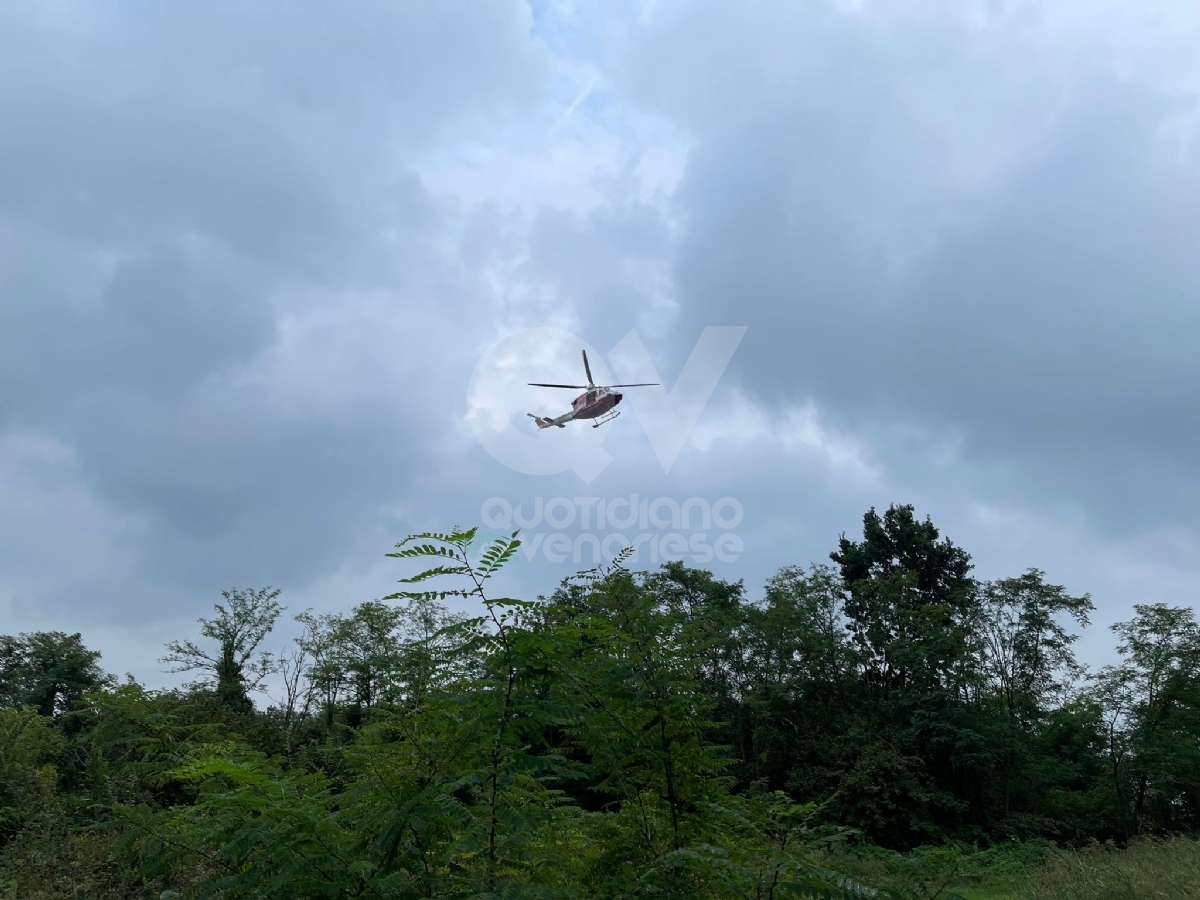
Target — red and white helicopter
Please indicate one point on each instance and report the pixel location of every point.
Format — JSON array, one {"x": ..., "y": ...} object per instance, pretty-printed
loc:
[{"x": 597, "y": 403}]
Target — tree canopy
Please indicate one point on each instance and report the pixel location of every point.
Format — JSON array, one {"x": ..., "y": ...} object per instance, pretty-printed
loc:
[{"x": 663, "y": 733}]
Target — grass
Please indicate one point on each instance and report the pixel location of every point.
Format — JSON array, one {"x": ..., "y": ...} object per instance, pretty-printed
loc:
[
  {"x": 1146, "y": 870},
  {"x": 53, "y": 864},
  {"x": 1162, "y": 870},
  {"x": 997, "y": 873}
]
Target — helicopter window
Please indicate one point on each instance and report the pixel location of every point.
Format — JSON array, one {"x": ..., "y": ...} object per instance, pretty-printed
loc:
[{"x": 591, "y": 397}]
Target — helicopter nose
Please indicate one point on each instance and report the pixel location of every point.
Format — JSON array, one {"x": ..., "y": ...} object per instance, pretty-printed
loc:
[{"x": 617, "y": 398}]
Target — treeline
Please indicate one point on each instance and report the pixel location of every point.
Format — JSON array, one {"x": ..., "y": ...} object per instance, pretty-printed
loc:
[{"x": 657, "y": 733}]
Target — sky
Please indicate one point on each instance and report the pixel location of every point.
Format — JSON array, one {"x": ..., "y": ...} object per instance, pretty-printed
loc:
[{"x": 273, "y": 280}]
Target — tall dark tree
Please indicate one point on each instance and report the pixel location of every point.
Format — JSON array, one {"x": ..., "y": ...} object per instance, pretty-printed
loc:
[
  {"x": 911, "y": 609},
  {"x": 909, "y": 597},
  {"x": 47, "y": 670}
]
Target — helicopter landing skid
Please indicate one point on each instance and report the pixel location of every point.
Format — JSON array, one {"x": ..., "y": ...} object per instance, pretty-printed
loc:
[{"x": 607, "y": 417}]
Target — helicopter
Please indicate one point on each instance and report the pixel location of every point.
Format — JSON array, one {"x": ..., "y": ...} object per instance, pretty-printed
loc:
[{"x": 597, "y": 402}]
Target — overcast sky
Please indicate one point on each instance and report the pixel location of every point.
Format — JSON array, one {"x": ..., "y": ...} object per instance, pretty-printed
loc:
[{"x": 253, "y": 254}]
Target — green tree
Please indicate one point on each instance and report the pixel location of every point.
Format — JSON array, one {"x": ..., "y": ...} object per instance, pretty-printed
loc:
[
  {"x": 1028, "y": 666},
  {"x": 912, "y": 612},
  {"x": 358, "y": 654},
  {"x": 713, "y": 617},
  {"x": 643, "y": 679},
  {"x": 799, "y": 630},
  {"x": 909, "y": 599},
  {"x": 457, "y": 790},
  {"x": 802, "y": 682},
  {"x": 236, "y": 665},
  {"x": 29, "y": 747},
  {"x": 1153, "y": 703},
  {"x": 1028, "y": 650},
  {"x": 47, "y": 670},
  {"x": 379, "y": 653}
]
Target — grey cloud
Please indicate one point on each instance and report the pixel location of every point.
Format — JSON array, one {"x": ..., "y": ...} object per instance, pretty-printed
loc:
[
  {"x": 243, "y": 327},
  {"x": 1042, "y": 315},
  {"x": 281, "y": 134},
  {"x": 177, "y": 187},
  {"x": 607, "y": 265},
  {"x": 177, "y": 315}
]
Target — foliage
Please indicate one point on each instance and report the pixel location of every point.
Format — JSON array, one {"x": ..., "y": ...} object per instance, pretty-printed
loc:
[
  {"x": 1152, "y": 705},
  {"x": 48, "y": 671},
  {"x": 885, "y": 727},
  {"x": 907, "y": 600},
  {"x": 29, "y": 745}
]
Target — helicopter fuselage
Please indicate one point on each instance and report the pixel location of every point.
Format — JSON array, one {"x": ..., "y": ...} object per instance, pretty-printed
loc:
[{"x": 594, "y": 403}]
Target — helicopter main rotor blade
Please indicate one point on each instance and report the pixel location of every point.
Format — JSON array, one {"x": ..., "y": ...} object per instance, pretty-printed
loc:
[
  {"x": 587, "y": 368},
  {"x": 577, "y": 387},
  {"x": 643, "y": 384}
]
